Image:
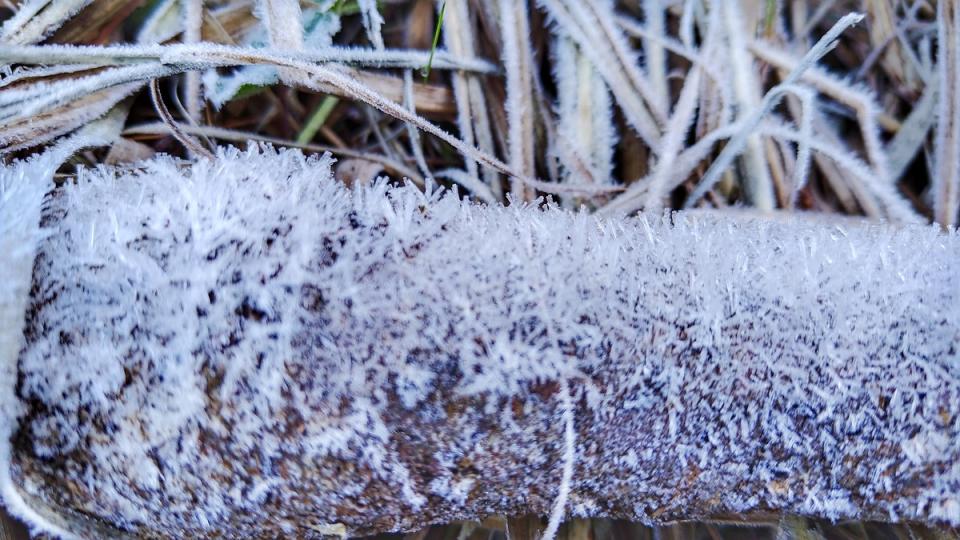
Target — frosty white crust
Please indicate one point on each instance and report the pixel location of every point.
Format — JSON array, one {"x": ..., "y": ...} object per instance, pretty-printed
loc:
[
  {"x": 22, "y": 189},
  {"x": 245, "y": 347}
]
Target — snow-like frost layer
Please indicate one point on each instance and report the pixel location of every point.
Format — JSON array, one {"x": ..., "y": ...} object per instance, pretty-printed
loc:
[
  {"x": 240, "y": 343},
  {"x": 22, "y": 189}
]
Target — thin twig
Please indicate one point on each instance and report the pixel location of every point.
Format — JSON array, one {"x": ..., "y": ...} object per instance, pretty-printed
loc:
[{"x": 189, "y": 142}]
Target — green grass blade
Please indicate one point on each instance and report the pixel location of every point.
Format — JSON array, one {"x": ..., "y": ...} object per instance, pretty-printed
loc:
[
  {"x": 317, "y": 119},
  {"x": 436, "y": 39}
]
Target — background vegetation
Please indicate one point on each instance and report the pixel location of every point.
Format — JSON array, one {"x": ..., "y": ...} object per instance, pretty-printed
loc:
[{"x": 622, "y": 106}]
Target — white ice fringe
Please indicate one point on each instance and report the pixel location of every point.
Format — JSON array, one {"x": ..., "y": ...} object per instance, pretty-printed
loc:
[
  {"x": 749, "y": 349},
  {"x": 22, "y": 189},
  {"x": 36, "y": 19}
]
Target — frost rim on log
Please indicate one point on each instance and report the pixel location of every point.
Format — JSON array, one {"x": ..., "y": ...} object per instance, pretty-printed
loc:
[{"x": 245, "y": 346}]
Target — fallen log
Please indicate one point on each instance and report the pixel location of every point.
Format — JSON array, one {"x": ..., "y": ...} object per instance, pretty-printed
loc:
[{"x": 246, "y": 348}]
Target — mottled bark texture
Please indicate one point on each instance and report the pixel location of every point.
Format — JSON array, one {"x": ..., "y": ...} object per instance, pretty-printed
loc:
[{"x": 244, "y": 348}]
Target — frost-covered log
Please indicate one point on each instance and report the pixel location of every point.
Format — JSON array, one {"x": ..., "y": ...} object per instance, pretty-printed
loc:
[{"x": 247, "y": 348}]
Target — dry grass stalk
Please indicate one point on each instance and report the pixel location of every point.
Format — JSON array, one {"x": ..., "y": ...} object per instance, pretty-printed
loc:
[
  {"x": 883, "y": 37},
  {"x": 597, "y": 38},
  {"x": 372, "y": 21},
  {"x": 192, "y": 23},
  {"x": 518, "y": 63},
  {"x": 584, "y": 140},
  {"x": 946, "y": 179},
  {"x": 412, "y": 132},
  {"x": 45, "y": 127},
  {"x": 96, "y": 23},
  {"x": 37, "y": 19},
  {"x": 752, "y": 118},
  {"x": 913, "y": 132},
  {"x": 758, "y": 186},
  {"x": 282, "y": 20},
  {"x": 473, "y": 121},
  {"x": 654, "y": 14}
]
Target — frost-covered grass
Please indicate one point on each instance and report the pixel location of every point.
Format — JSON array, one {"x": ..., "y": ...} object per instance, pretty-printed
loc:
[{"x": 636, "y": 97}]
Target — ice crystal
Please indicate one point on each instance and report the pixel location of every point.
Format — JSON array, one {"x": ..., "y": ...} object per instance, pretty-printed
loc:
[
  {"x": 217, "y": 338},
  {"x": 22, "y": 189}
]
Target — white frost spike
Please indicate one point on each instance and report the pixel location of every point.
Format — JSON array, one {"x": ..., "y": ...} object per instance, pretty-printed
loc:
[
  {"x": 372, "y": 21},
  {"x": 254, "y": 302},
  {"x": 22, "y": 189}
]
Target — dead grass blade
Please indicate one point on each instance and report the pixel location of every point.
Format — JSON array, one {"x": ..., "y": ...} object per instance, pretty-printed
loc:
[
  {"x": 887, "y": 47},
  {"x": 23, "y": 103},
  {"x": 473, "y": 117},
  {"x": 38, "y": 20},
  {"x": 579, "y": 22},
  {"x": 97, "y": 23},
  {"x": 946, "y": 177},
  {"x": 415, "y": 145},
  {"x": 654, "y": 14},
  {"x": 896, "y": 207},
  {"x": 205, "y": 55},
  {"x": 756, "y": 181},
  {"x": 909, "y": 139},
  {"x": 372, "y": 22},
  {"x": 189, "y": 142},
  {"x": 46, "y": 126},
  {"x": 580, "y": 110},
  {"x": 192, "y": 24},
  {"x": 457, "y": 36},
  {"x": 518, "y": 61}
]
